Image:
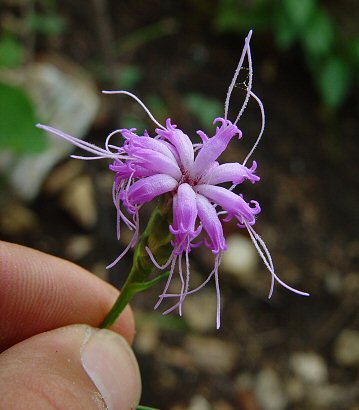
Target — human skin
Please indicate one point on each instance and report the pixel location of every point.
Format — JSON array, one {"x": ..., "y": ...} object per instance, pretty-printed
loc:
[{"x": 52, "y": 354}]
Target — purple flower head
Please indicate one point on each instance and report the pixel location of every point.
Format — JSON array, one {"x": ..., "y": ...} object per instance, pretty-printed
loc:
[{"x": 147, "y": 167}]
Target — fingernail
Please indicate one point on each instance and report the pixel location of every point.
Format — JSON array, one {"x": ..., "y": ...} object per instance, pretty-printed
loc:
[{"x": 111, "y": 365}]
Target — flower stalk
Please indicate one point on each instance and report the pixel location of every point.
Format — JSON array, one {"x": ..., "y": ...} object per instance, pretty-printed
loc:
[{"x": 157, "y": 238}]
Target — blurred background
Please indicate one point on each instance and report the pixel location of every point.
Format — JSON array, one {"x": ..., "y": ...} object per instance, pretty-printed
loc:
[{"x": 289, "y": 352}]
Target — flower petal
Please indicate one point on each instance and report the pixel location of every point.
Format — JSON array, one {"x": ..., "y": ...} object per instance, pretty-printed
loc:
[
  {"x": 181, "y": 141},
  {"x": 144, "y": 190},
  {"x": 211, "y": 224},
  {"x": 125, "y": 170},
  {"x": 231, "y": 172},
  {"x": 214, "y": 147},
  {"x": 229, "y": 201},
  {"x": 184, "y": 217},
  {"x": 134, "y": 142},
  {"x": 157, "y": 162}
]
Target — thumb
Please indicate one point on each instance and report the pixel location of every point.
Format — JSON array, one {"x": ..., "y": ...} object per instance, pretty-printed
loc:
[{"x": 73, "y": 367}]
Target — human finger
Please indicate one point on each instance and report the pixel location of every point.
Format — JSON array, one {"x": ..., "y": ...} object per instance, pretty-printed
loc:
[
  {"x": 74, "y": 367},
  {"x": 39, "y": 292}
]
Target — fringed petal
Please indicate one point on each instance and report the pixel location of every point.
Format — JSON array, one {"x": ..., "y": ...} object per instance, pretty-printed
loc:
[
  {"x": 211, "y": 224},
  {"x": 146, "y": 189},
  {"x": 230, "y": 202},
  {"x": 231, "y": 172},
  {"x": 214, "y": 147},
  {"x": 180, "y": 141}
]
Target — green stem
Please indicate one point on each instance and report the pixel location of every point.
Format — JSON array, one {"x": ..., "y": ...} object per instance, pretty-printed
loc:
[
  {"x": 122, "y": 301},
  {"x": 157, "y": 237}
]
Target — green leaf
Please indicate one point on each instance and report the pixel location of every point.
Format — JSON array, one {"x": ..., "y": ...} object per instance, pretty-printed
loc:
[
  {"x": 298, "y": 11},
  {"x": 285, "y": 32},
  {"x": 334, "y": 82},
  {"x": 12, "y": 52},
  {"x": 236, "y": 16},
  {"x": 145, "y": 408},
  {"x": 204, "y": 108},
  {"x": 50, "y": 24},
  {"x": 139, "y": 287},
  {"x": 354, "y": 50},
  {"x": 17, "y": 122},
  {"x": 158, "y": 107},
  {"x": 129, "y": 77},
  {"x": 319, "y": 35},
  {"x": 129, "y": 121}
]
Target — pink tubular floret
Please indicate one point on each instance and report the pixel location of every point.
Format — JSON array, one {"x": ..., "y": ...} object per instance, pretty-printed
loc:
[{"x": 170, "y": 163}]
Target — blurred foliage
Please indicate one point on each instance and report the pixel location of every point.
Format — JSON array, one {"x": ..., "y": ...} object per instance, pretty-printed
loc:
[
  {"x": 164, "y": 322},
  {"x": 332, "y": 59},
  {"x": 50, "y": 23},
  {"x": 204, "y": 108},
  {"x": 18, "y": 133},
  {"x": 44, "y": 18},
  {"x": 146, "y": 34},
  {"x": 12, "y": 52},
  {"x": 129, "y": 77},
  {"x": 158, "y": 107},
  {"x": 17, "y": 122}
]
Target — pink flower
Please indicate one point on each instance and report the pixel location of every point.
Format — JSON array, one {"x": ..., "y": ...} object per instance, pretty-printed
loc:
[{"x": 147, "y": 167}]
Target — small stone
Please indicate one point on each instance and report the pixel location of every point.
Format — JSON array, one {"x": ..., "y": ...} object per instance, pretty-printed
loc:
[
  {"x": 66, "y": 98},
  {"x": 269, "y": 391},
  {"x": 99, "y": 269},
  {"x": 244, "y": 381},
  {"x": 332, "y": 396},
  {"x": 333, "y": 282},
  {"x": 244, "y": 389},
  {"x": 199, "y": 403},
  {"x": 212, "y": 355},
  {"x": 79, "y": 200},
  {"x": 346, "y": 348},
  {"x": 309, "y": 367},
  {"x": 200, "y": 310},
  {"x": 78, "y": 246},
  {"x": 241, "y": 258},
  {"x": 62, "y": 175},
  {"x": 222, "y": 405},
  {"x": 351, "y": 283},
  {"x": 147, "y": 339},
  {"x": 17, "y": 219},
  {"x": 295, "y": 389}
]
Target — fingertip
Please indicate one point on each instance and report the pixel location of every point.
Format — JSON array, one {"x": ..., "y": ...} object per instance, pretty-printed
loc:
[
  {"x": 55, "y": 292},
  {"x": 73, "y": 367}
]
